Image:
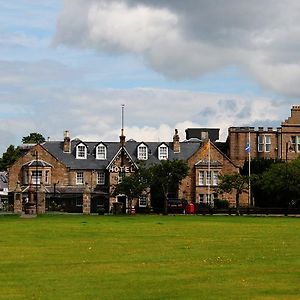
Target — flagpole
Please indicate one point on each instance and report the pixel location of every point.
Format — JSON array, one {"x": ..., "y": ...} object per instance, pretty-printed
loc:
[
  {"x": 249, "y": 167},
  {"x": 209, "y": 175}
]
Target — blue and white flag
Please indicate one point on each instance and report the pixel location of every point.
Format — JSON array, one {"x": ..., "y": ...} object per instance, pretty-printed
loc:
[{"x": 248, "y": 148}]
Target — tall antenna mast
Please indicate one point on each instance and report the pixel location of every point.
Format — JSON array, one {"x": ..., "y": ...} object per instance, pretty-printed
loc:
[
  {"x": 122, "y": 137},
  {"x": 122, "y": 120}
]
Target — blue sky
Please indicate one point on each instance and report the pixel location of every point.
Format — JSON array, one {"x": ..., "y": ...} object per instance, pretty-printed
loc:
[{"x": 69, "y": 65}]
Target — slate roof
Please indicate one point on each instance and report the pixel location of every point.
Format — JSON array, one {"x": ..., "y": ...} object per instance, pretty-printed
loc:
[{"x": 91, "y": 163}]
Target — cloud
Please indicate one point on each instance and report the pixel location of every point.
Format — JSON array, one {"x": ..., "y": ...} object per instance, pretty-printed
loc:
[{"x": 186, "y": 39}]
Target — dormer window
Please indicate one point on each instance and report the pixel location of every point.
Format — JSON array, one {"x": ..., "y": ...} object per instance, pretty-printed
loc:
[
  {"x": 81, "y": 151},
  {"x": 101, "y": 151},
  {"x": 163, "y": 152},
  {"x": 142, "y": 152}
]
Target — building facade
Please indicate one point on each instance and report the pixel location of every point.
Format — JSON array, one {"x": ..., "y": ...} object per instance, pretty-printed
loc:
[
  {"x": 282, "y": 143},
  {"x": 84, "y": 174},
  {"x": 70, "y": 167}
]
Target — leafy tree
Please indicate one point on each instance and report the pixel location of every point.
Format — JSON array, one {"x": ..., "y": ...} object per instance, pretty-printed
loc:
[
  {"x": 258, "y": 167},
  {"x": 9, "y": 157},
  {"x": 135, "y": 184},
  {"x": 167, "y": 175},
  {"x": 281, "y": 183},
  {"x": 235, "y": 182},
  {"x": 33, "y": 138}
]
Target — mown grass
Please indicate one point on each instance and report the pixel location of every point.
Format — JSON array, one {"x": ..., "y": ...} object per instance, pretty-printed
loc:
[{"x": 149, "y": 257}]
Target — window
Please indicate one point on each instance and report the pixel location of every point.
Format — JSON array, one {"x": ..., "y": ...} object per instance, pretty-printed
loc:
[
  {"x": 264, "y": 143},
  {"x": 26, "y": 177},
  {"x": 47, "y": 177},
  {"x": 79, "y": 178},
  {"x": 163, "y": 152},
  {"x": 120, "y": 177},
  {"x": 215, "y": 178},
  {"x": 36, "y": 177},
  {"x": 143, "y": 201},
  {"x": 260, "y": 143},
  {"x": 298, "y": 144},
  {"x": 293, "y": 143},
  {"x": 201, "y": 178},
  {"x": 208, "y": 178},
  {"x": 268, "y": 143},
  {"x": 81, "y": 152},
  {"x": 101, "y": 152},
  {"x": 201, "y": 198},
  {"x": 101, "y": 178},
  {"x": 142, "y": 152}
]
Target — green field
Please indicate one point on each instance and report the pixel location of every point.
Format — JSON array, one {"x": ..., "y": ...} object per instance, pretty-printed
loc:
[{"x": 149, "y": 257}]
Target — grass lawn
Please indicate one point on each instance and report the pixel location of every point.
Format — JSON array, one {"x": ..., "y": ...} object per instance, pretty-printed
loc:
[{"x": 149, "y": 257}]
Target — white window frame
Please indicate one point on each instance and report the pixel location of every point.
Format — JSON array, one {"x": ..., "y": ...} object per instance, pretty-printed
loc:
[
  {"x": 142, "y": 152},
  {"x": 101, "y": 152},
  {"x": 208, "y": 178},
  {"x": 297, "y": 144},
  {"x": 143, "y": 201},
  {"x": 201, "y": 178},
  {"x": 215, "y": 178},
  {"x": 267, "y": 143},
  {"x": 101, "y": 178},
  {"x": 163, "y": 152},
  {"x": 79, "y": 178},
  {"x": 81, "y": 151},
  {"x": 264, "y": 143},
  {"x": 36, "y": 179},
  {"x": 260, "y": 143}
]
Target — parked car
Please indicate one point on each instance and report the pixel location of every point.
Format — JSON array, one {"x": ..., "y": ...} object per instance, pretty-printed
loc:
[{"x": 176, "y": 206}]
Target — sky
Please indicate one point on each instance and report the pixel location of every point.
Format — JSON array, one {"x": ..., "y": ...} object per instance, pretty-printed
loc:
[{"x": 71, "y": 64}]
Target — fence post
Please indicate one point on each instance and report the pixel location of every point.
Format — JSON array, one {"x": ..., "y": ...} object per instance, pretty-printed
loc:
[
  {"x": 18, "y": 199},
  {"x": 41, "y": 198},
  {"x": 86, "y": 205}
]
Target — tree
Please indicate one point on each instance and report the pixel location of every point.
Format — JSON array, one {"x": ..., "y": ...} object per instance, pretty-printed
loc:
[
  {"x": 9, "y": 157},
  {"x": 167, "y": 175},
  {"x": 281, "y": 183},
  {"x": 33, "y": 138},
  {"x": 235, "y": 182},
  {"x": 135, "y": 184}
]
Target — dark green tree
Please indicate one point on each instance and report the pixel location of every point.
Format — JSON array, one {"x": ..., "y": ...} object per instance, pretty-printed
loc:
[
  {"x": 258, "y": 167},
  {"x": 9, "y": 157},
  {"x": 167, "y": 175},
  {"x": 33, "y": 138},
  {"x": 135, "y": 184},
  {"x": 236, "y": 183},
  {"x": 281, "y": 183}
]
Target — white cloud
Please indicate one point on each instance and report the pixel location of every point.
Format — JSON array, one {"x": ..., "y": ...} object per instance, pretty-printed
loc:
[{"x": 184, "y": 39}]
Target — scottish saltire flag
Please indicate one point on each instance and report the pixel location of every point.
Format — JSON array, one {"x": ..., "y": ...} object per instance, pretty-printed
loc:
[{"x": 248, "y": 148}]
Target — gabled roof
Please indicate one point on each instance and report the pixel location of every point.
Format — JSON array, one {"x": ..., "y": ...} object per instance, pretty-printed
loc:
[
  {"x": 37, "y": 163},
  {"x": 118, "y": 154}
]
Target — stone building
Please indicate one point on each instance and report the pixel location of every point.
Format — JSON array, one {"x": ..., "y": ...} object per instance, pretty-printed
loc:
[
  {"x": 84, "y": 174},
  {"x": 269, "y": 143},
  {"x": 75, "y": 168}
]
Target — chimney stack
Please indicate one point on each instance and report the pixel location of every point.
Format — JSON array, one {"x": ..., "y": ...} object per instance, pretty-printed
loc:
[
  {"x": 67, "y": 142},
  {"x": 176, "y": 142}
]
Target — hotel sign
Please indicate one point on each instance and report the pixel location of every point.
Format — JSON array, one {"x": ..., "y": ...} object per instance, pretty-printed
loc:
[{"x": 124, "y": 169}]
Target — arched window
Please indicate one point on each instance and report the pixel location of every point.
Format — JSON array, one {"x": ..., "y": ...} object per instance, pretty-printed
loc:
[
  {"x": 142, "y": 152},
  {"x": 81, "y": 151},
  {"x": 163, "y": 152},
  {"x": 101, "y": 151}
]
